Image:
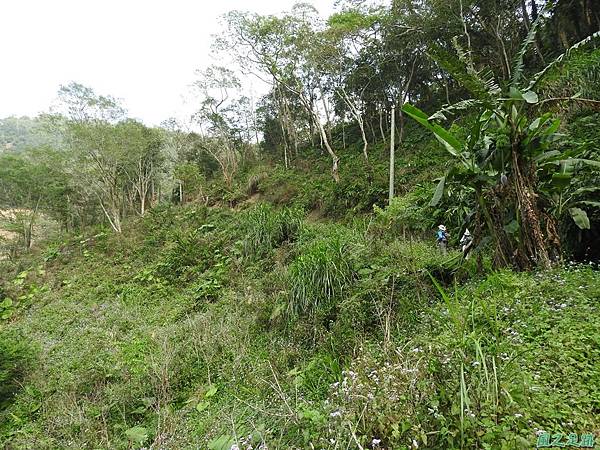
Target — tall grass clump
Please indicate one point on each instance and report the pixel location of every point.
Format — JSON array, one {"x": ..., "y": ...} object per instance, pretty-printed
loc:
[
  {"x": 267, "y": 228},
  {"x": 321, "y": 273}
]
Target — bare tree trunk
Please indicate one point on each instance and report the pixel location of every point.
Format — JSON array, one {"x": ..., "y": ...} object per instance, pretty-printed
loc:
[
  {"x": 307, "y": 103},
  {"x": 327, "y": 116},
  {"x": 380, "y": 108},
  {"x": 356, "y": 113},
  {"x": 29, "y": 231},
  {"x": 392, "y": 155},
  {"x": 525, "y": 15},
  {"x": 143, "y": 203},
  {"x": 112, "y": 216},
  {"x": 335, "y": 159},
  {"x": 534, "y": 11},
  {"x": 533, "y": 242},
  {"x": 283, "y": 124},
  {"x": 285, "y": 145},
  {"x": 372, "y": 131}
]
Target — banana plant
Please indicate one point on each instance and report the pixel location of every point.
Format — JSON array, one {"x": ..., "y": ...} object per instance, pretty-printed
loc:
[{"x": 507, "y": 142}]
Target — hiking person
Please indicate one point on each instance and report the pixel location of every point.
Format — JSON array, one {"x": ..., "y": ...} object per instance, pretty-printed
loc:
[
  {"x": 442, "y": 239},
  {"x": 467, "y": 242}
]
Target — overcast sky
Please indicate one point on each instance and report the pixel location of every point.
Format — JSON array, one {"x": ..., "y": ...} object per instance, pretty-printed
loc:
[{"x": 142, "y": 51}]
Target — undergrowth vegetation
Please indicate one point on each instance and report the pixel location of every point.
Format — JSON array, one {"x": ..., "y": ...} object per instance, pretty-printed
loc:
[{"x": 208, "y": 328}]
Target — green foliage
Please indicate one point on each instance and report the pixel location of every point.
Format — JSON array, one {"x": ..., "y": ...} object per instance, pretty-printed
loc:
[
  {"x": 317, "y": 376},
  {"x": 475, "y": 380},
  {"x": 375, "y": 351},
  {"x": 322, "y": 272},
  {"x": 18, "y": 134},
  {"x": 406, "y": 213},
  {"x": 267, "y": 228},
  {"x": 16, "y": 357}
]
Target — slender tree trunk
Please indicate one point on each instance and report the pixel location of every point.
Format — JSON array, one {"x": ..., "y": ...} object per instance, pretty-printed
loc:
[
  {"x": 392, "y": 155},
  {"x": 525, "y": 15},
  {"x": 327, "y": 116},
  {"x": 380, "y": 108},
  {"x": 28, "y": 234},
  {"x": 335, "y": 159},
  {"x": 285, "y": 145},
  {"x": 283, "y": 124},
  {"x": 372, "y": 132},
  {"x": 143, "y": 203}
]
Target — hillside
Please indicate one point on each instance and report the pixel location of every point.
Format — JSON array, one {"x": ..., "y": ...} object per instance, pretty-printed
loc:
[
  {"x": 205, "y": 327},
  {"x": 21, "y": 133},
  {"x": 393, "y": 246}
]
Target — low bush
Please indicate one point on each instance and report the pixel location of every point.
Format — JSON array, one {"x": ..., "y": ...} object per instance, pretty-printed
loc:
[
  {"x": 322, "y": 271},
  {"x": 266, "y": 228}
]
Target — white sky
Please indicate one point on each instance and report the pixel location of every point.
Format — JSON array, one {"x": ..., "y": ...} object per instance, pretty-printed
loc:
[{"x": 142, "y": 51}]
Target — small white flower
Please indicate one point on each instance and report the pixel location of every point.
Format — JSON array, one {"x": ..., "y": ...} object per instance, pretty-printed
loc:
[
  {"x": 375, "y": 442},
  {"x": 336, "y": 414},
  {"x": 517, "y": 415},
  {"x": 415, "y": 444},
  {"x": 539, "y": 432}
]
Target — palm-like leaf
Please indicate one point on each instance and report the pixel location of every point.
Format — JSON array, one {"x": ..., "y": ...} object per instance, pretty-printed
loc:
[
  {"x": 463, "y": 105},
  {"x": 519, "y": 66},
  {"x": 451, "y": 142},
  {"x": 540, "y": 75},
  {"x": 481, "y": 84}
]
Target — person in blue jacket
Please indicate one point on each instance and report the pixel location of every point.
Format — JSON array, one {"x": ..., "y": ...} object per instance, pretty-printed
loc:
[{"x": 442, "y": 239}]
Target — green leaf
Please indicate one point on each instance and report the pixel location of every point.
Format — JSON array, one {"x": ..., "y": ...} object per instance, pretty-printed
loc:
[
  {"x": 137, "y": 434},
  {"x": 580, "y": 218},
  {"x": 547, "y": 156},
  {"x": 530, "y": 97},
  {"x": 439, "y": 192},
  {"x": 512, "y": 227},
  {"x": 202, "y": 406},
  {"x": 223, "y": 442},
  {"x": 584, "y": 190},
  {"x": 452, "y": 144},
  {"x": 6, "y": 303},
  {"x": 590, "y": 203},
  {"x": 561, "y": 180},
  {"x": 515, "y": 94},
  {"x": 589, "y": 162},
  {"x": 211, "y": 391}
]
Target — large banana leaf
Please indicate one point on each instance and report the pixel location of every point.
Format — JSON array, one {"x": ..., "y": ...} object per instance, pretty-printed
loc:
[
  {"x": 439, "y": 192},
  {"x": 451, "y": 142}
]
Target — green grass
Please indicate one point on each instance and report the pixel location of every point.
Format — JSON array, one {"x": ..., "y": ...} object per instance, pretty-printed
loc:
[
  {"x": 267, "y": 228},
  {"x": 174, "y": 335}
]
